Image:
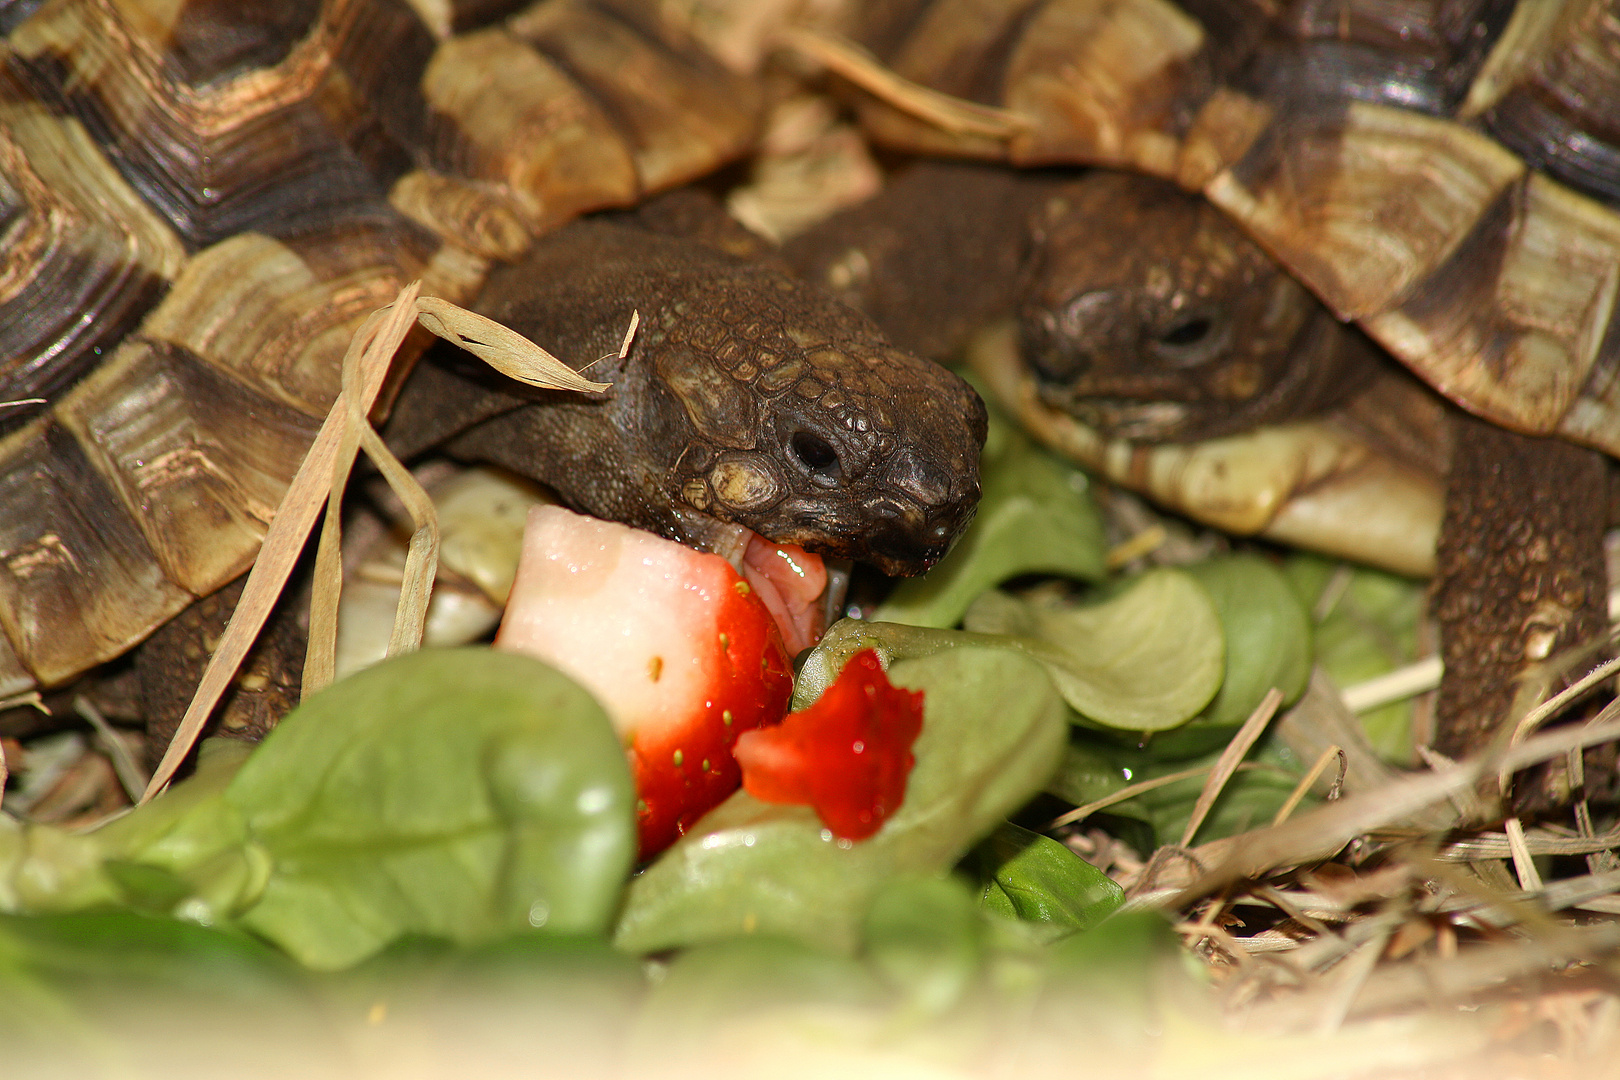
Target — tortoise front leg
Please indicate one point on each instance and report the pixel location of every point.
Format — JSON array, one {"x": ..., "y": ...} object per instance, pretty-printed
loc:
[
  {"x": 170, "y": 663},
  {"x": 1521, "y": 572}
]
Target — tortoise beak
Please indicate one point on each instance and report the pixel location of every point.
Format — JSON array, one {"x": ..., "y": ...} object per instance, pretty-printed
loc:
[{"x": 906, "y": 535}]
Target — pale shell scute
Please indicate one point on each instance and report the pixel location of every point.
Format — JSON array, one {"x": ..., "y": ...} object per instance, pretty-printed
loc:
[
  {"x": 1513, "y": 323},
  {"x": 1364, "y": 201},
  {"x": 506, "y": 115},
  {"x": 78, "y": 581},
  {"x": 1555, "y": 91},
  {"x": 677, "y": 109},
  {"x": 199, "y": 461},
  {"x": 1107, "y": 84},
  {"x": 278, "y": 319},
  {"x": 944, "y": 49}
]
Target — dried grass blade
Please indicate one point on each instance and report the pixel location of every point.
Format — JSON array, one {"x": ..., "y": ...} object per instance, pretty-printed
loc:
[
  {"x": 1539, "y": 715},
  {"x": 1572, "y": 892},
  {"x": 1318, "y": 720},
  {"x": 1418, "y": 677},
  {"x": 130, "y": 774},
  {"x": 1523, "y": 865},
  {"x": 1426, "y": 980},
  {"x": 1495, "y": 845},
  {"x": 1311, "y": 777},
  {"x": 1130, "y": 791},
  {"x": 283, "y": 541},
  {"x": 320, "y": 650},
  {"x": 1227, "y": 763},
  {"x": 507, "y": 351},
  {"x": 630, "y": 334},
  {"x": 372, "y": 350},
  {"x": 952, "y": 114},
  {"x": 1319, "y": 833},
  {"x": 422, "y": 554},
  {"x": 27, "y": 697},
  {"x": 1353, "y": 974}
]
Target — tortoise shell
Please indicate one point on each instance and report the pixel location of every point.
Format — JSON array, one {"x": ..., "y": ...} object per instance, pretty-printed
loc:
[
  {"x": 200, "y": 202},
  {"x": 1440, "y": 173}
]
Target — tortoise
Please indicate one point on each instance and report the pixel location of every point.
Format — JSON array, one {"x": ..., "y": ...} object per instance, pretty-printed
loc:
[
  {"x": 202, "y": 201},
  {"x": 1440, "y": 174}
]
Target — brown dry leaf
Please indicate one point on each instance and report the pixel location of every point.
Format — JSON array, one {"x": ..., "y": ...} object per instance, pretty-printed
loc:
[{"x": 507, "y": 351}]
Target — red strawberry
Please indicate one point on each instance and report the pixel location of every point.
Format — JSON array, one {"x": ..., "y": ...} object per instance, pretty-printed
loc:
[
  {"x": 848, "y": 755},
  {"x": 675, "y": 644}
]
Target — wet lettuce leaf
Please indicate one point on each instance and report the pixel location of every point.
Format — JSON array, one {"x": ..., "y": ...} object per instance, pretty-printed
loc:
[
  {"x": 465, "y": 793},
  {"x": 926, "y": 937},
  {"x": 1036, "y": 516},
  {"x": 1025, "y": 875},
  {"x": 1268, "y": 643},
  {"x": 992, "y": 734},
  {"x": 1368, "y": 628},
  {"x": 1267, "y": 631},
  {"x": 1149, "y": 658}
]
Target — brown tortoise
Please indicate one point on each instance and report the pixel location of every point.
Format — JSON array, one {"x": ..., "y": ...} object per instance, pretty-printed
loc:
[
  {"x": 1438, "y": 172},
  {"x": 200, "y": 203}
]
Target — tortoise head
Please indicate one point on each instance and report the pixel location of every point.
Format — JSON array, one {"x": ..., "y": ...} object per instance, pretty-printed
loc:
[
  {"x": 1149, "y": 316},
  {"x": 799, "y": 421}
]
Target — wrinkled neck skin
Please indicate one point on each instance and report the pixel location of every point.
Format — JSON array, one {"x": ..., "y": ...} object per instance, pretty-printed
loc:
[{"x": 747, "y": 400}]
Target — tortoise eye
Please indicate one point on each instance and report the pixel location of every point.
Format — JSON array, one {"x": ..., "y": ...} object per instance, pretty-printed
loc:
[
  {"x": 815, "y": 454},
  {"x": 1191, "y": 340}
]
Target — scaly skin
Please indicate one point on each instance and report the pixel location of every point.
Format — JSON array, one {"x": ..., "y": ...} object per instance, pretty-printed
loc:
[{"x": 748, "y": 398}]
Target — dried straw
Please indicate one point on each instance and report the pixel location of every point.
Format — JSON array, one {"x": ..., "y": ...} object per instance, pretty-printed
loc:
[{"x": 952, "y": 114}]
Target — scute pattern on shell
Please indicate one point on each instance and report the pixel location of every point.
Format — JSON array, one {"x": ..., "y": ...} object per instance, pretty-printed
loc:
[{"x": 199, "y": 203}]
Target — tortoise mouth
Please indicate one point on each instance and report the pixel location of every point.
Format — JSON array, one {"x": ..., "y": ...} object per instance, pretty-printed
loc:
[
  {"x": 1129, "y": 418},
  {"x": 802, "y": 616}
]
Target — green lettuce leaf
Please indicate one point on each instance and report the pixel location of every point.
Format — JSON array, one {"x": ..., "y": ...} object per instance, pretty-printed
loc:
[
  {"x": 1146, "y": 659},
  {"x": 464, "y": 793},
  {"x": 1031, "y": 877}
]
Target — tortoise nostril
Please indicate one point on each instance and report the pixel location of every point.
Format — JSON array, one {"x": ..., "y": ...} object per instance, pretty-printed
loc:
[
  {"x": 1187, "y": 332},
  {"x": 1059, "y": 363}
]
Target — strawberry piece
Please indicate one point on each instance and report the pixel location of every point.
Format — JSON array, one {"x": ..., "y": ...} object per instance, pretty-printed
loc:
[
  {"x": 848, "y": 755},
  {"x": 675, "y": 645}
]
